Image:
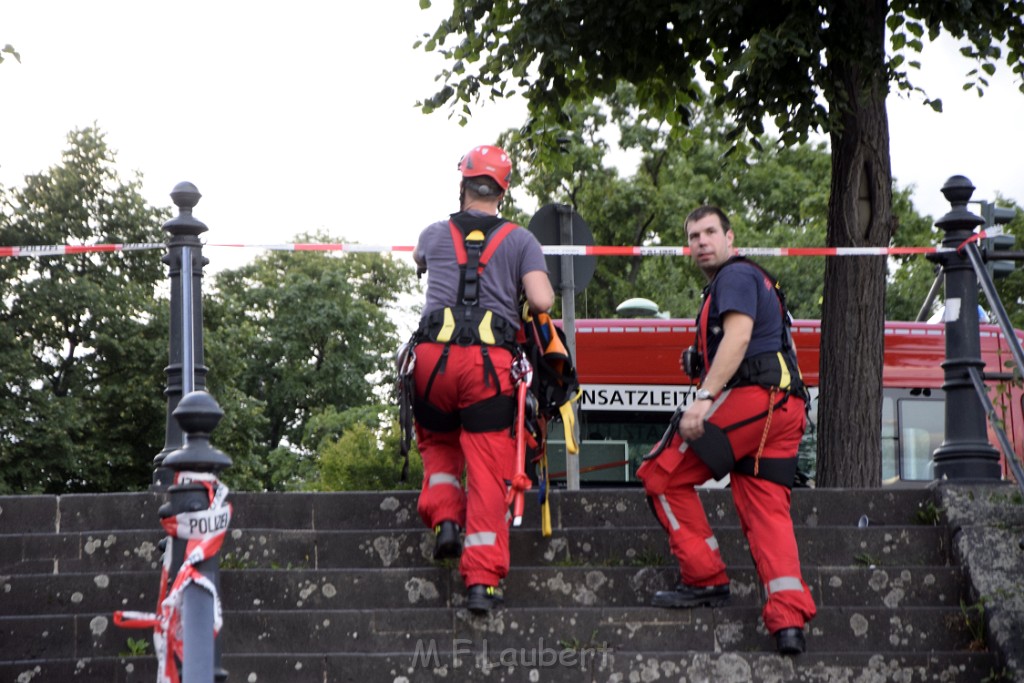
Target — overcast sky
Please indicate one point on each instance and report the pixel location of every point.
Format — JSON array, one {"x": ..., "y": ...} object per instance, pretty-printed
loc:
[{"x": 300, "y": 116}]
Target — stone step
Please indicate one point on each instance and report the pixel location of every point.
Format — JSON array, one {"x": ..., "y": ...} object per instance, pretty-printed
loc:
[
  {"x": 602, "y": 546},
  {"x": 619, "y": 507},
  {"x": 535, "y": 661},
  {"x": 262, "y": 589},
  {"x": 850, "y": 629},
  {"x": 341, "y": 587}
]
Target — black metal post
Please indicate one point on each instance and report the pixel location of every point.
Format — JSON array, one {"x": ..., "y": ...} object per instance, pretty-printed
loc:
[
  {"x": 191, "y": 465},
  {"x": 186, "y": 371},
  {"x": 966, "y": 452},
  {"x": 568, "y": 286}
]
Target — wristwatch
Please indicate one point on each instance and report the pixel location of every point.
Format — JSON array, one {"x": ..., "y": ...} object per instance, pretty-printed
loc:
[{"x": 703, "y": 395}]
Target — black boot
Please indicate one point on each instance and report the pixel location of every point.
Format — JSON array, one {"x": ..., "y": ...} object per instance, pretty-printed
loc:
[
  {"x": 684, "y": 595},
  {"x": 446, "y": 541},
  {"x": 790, "y": 641},
  {"x": 483, "y": 599}
]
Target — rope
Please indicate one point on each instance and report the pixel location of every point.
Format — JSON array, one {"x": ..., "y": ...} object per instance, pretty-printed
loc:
[{"x": 767, "y": 426}]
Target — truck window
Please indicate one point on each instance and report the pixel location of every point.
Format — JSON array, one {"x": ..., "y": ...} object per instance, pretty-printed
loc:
[{"x": 922, "y": 423}]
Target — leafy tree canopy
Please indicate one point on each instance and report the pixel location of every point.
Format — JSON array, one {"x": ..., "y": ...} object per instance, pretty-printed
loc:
[
  {"x": 802, "y": 67},
  {"x": 775, "y": 196},
  {"x": 81, "y": 391},
  {"x": 764, "y": 60},
  {"x": 299, "y": 333}
]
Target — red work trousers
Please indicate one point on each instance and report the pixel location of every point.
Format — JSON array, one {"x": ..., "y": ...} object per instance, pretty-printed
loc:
[
  {"x": 487, "y": 458},
  {"x": 763, "y": 507}
]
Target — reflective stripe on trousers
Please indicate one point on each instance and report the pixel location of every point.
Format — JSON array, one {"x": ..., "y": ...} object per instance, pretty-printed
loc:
[
  {"x": 674, "y": 523},
  {"x": 784, "y": 583},
  {"x": 444, "y": 478},
  {"x": 480, "y": 538}
]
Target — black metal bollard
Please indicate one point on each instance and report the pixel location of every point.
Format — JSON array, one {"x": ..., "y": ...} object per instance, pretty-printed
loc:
[
  {"x": 186, "y": 371},
  {"x": 202, "y": 520},
  {"x": 965, "y": 452}
]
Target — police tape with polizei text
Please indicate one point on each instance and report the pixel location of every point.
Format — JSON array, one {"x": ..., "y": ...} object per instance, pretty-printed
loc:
[{"x": 204, "y": 530}]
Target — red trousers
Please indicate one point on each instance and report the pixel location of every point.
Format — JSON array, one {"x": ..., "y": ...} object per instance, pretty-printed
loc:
[
  {"x": 487, "y": 458},
  {"x": 763, "y": 507}
]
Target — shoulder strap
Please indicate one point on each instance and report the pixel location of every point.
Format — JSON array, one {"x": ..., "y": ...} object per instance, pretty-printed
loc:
[
  {"x": 459, "y": 240},
  {"x": 473, "y": 254},
  {"x": 494, "y": 238},
  {"x": 788, "y": 354}
]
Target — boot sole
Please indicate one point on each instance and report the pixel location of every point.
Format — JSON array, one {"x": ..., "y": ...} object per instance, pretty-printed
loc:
[
  {"x": 673, "y": 602},
  {"x": 449, "y": 551},
  {"x": 483, "y": 606},
  {"x": 791, "y": 646}
]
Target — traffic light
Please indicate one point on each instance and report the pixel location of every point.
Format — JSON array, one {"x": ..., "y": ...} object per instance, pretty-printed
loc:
[{"x": 999, "y": 241}]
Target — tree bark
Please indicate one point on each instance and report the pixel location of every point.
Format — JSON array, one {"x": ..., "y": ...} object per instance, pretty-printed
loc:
[{"x": 860, "y": 214}]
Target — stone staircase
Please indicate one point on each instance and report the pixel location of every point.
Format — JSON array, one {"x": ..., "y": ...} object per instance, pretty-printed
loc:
[{"x": 340, "y": 587}]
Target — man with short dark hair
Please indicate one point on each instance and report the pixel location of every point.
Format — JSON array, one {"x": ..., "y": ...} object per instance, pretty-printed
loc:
[
  {"x": 746, "y": 420},
  {"x": 477, "y": 266}
]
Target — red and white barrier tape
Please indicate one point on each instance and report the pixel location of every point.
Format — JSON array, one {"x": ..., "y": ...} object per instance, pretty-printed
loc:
[
  {"x": 204, "y": 531},
  {"x": 580, "y": 250},
  {"x": 551, "y": 250},
  {"x": 70, "y": 249}
]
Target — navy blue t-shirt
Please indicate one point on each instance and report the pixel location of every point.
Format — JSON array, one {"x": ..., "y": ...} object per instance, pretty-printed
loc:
[{"x": 744, "y": 288}]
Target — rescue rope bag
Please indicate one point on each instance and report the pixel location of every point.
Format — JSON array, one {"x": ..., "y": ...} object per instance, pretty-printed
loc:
[{"x": 555, "y": 384}]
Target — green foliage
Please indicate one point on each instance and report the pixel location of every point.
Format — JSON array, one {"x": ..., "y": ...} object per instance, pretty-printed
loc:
[
  {"x": 779, "y": 197},
  {"x": 81, "y": 404},
  {"x": 866, "y": 559},
  {"x": 363, "y": 458},
  {"x": 801, "y": 67},
  {"x": 292, "y": 335},
  {"x": 929, "y": 514},
  {"x": 774, "y": 62},
  {"x": 974, "y": 621},
  {"x": 83, "y": 342},
  {"x": 137, "y": 647},
  {"x": 909, "y": 284},
  {"x": 8, "y": 49}
]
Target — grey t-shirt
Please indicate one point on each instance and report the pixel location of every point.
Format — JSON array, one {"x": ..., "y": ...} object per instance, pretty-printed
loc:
[{"x": 519, "y": 253}]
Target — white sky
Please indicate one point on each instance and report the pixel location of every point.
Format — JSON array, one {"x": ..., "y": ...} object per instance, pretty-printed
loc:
[{"x": 300, "y": 116}]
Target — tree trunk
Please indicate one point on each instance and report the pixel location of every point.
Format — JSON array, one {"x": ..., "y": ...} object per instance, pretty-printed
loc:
[{"x": 860, "y": 214}]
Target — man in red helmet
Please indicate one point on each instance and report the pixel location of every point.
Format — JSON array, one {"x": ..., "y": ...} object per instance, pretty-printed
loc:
[
  {"x": 747, "y": 419},
  {"x": 477, "y": 266}
]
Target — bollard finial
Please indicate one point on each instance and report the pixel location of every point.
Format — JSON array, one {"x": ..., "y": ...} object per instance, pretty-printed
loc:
[
  {"x": 958, "y": 190},
  {"x": 959, "y": 222},
  {"x": 185, "y": 196},
  {"x": 198, "y": 414}
]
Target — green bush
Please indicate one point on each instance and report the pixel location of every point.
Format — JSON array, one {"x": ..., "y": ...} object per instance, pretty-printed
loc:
[{"x": 362, "y": 460}]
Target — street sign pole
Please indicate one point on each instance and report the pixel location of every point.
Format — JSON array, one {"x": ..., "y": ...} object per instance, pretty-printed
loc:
[
  {"x": 559, "y": 224},
  {"x": 568, "y": 286}
]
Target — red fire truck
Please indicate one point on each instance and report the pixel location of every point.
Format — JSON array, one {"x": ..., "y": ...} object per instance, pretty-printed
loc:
[{"x": 631, "y": 383}]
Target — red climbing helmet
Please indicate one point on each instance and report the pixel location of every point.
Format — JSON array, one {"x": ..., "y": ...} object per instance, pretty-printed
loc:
[{"x": 490, "y": 161}]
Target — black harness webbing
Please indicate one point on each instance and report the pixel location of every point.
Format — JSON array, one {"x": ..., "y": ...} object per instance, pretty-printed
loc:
[
  {"x": 778, "y": 369},
  {"x": 467, "y": 324},
  {"x": 715, "y": 451}
]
